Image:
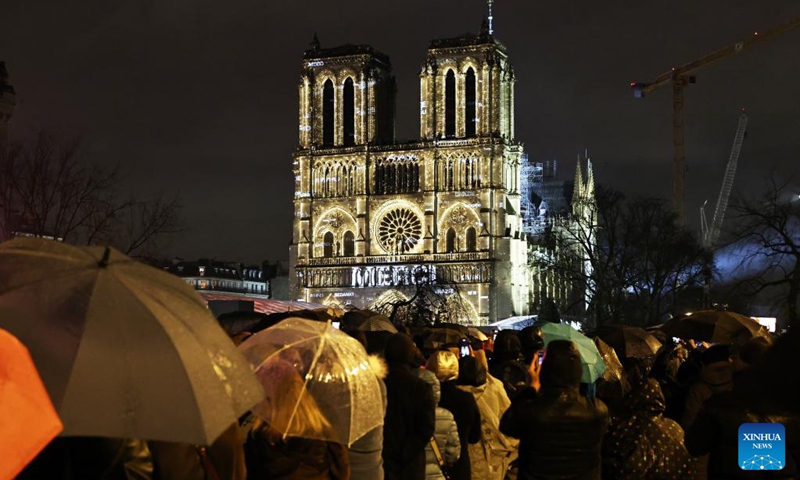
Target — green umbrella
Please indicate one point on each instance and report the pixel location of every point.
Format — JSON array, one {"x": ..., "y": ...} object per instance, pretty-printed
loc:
[{"x": 591, "y": 360}]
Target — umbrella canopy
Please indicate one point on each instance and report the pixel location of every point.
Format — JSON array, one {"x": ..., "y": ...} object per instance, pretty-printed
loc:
[
  {"x": 317, "y": 380},
  {"x": 377, "y": 323},
  {"x": 435, "y": 337},
  {"x": 629, "y": 341},
  {"x": 28, "y": 420},
  {"x": 124, "y": 349},
  {"x": 474, "y": 332},
  {"x": 715, "y": 326},
  {"x": 613, "y": 383},
  {"x": 591, "y": 360}
]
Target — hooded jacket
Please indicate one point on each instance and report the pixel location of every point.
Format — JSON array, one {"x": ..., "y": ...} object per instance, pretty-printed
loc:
[
  {"x": 642, "y": 443},
  {"x": 446, "y": 432},
  {"x": 560, "y": 430},
  {"x": 490, "y": 458},
  {"x": 410, "y": 413}
]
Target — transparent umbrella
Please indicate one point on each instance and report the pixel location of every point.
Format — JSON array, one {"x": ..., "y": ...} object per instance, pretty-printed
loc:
[{"x": 317, "y": 380}]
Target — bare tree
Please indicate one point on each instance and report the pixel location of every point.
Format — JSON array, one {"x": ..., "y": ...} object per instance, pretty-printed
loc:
[
  {"x": 631, "y": 259},
  {"x": 765, "y": 234},
  {"x": 48, "y": 189},
  {"x": 433, "y": 300}
]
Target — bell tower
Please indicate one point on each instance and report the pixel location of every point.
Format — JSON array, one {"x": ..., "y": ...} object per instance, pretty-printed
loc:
[
  {"x": 467, "y": 88},
  {"x": 347, "y": 97}
]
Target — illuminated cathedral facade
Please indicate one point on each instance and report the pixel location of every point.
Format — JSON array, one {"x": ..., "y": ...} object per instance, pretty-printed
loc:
[{"x": 372, "y": 213}]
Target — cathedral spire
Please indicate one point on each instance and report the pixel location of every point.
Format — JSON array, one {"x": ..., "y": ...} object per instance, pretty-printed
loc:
[
  {"x": 315, "y": 42},
  {"x": 589, "y": 192},
  {"x": 491, "y": 18},
  {"x": 577, "y": 190}
]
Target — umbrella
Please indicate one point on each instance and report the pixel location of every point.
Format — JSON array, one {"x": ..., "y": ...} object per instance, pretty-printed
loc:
[
  {"x": 28, "y": 420},
  {"x": 435, "y": 337},
  {"x": 124, "y": 349},
  {"x": 377, "y": 323},
  {"x": 629, "y": 341},
  {"x": 593, "y": 366},
  {"x": 474, "y": 332},
  {"x": 715, "y": 326},
  {"x": 613, "y": 383},
  {"x": 317, "y": 380}
]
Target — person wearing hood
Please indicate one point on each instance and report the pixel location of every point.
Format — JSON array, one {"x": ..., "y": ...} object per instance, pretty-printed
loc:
[
  {"x": 490, "y": 459},
  {"x": 444, "y": 364},
  {"x": 507, "y": 364},
  {"x": 716, "y": 376},
  {"x": 560, "y": 431},
  {"x": 410, "y": 412},
  {"x": 446, "y": 432},
  {"x": 642, "y": 443}
]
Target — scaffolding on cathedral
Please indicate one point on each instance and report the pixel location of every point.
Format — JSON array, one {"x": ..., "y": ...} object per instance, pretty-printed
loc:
[{"x": 532, "y": 214}]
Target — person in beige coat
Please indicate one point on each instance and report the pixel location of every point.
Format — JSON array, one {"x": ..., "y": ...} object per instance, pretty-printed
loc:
[{"x": 491, "y": 457}]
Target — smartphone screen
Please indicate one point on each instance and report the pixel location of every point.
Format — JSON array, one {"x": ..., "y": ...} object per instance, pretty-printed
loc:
[
  {"x": 464, "y": 347},
  {"x": 336, "y": 324},
  {"x": 541, "y": 357}
]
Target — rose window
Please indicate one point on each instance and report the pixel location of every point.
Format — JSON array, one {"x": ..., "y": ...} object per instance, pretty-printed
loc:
[{"x": 399, "y": 230}]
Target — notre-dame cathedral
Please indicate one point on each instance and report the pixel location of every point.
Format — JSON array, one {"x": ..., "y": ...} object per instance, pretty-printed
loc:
[{"x": 372, "y": 213}]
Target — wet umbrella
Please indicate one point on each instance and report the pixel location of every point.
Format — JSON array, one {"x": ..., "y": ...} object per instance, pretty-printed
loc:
[
  {"x": 377, "y": 323},
  {"x": 613, "y": 383},
  {"x": 435, "y": 337},
  {"x": 628, "y": 341},
  {"x": 475, "y": 333},
  {"x": 591, "y": 360},
  {"x": 28, "y": 420},
  {"x": 317, "y": 380},
  {"x": 124, "y": 349},
  {"x": 715, "y": 326}
]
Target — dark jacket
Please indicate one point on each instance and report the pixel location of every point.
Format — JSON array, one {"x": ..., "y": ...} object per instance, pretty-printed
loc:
[
  {"x": 715, "y": 432},
  {"x": 79, "y": 458},
  {"x": 181, "y": 461},
  {"x": 507, "y": 363},
  {"x": 560, "y": 431},
  {"x": 642, "y": 443},
  {"x": 272, "y": 458},
  {"x": 410, "y": 413},
  {"x": 468, "y": 421}
]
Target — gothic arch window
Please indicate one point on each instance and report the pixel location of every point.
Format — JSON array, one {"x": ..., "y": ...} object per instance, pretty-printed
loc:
[
  {"x": 448, "y": 174},
  {"x": 469, "y": 105},
  {"x": 327, "y": 114},
  {"x": 450, "y": 105},
  {"x": 349, "y": 244},
  {"x": 451, "y": 241},
  {"x": 471, "y": 240},
  {"x": 379, "y": 173},
  {"x": 327, "y": 245},
  {"x": 326, "y": 182},
  {"x": 415, "y": 178},
  {"x": 403, "y": 177},
  {"x": 349, "y": 112}
]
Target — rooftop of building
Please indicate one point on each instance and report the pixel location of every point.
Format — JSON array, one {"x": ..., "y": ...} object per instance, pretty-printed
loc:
[
  {"x": 318, "y": 52},
  {"x": 483, "y": 38},
  {"x": 216, "y": 269}
]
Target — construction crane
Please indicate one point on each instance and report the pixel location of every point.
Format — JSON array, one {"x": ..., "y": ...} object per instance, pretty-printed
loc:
[
  {"x": 680, "y": 77},
  {"x": 711, "y": 234}
]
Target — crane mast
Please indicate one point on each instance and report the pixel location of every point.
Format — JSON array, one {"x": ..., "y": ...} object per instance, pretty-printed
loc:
[{"x": 727, "y": 181}]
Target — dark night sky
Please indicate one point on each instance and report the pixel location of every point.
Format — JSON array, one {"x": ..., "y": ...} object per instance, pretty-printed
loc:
[{"x": 200, "y": 96}]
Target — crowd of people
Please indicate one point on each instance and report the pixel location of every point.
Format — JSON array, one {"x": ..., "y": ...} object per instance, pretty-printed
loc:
[{"x": 508, "y": 407}]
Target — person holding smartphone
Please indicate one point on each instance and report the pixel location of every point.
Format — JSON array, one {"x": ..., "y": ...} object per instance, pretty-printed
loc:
[{"x": 560, "y": 430}]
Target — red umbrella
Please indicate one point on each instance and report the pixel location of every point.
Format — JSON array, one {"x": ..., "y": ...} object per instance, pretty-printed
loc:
[{"x": 28, "y": 421}]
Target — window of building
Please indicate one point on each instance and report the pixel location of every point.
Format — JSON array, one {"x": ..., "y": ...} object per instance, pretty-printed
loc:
[
  {"x": 451, "y": 241},
  {"x": 470, "y": 119},
  {"x": 327, "y": 245},
  {"x": 349, "y": 244},
  {"x": 472, "y": 239},
  {"x": 327, "y": 114},
  {"x": 450, "y": 105},
  {"x": 349, "y": 113}
]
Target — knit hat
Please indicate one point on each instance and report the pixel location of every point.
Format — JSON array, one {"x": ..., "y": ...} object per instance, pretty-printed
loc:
[{"x": 444, "y": 364}]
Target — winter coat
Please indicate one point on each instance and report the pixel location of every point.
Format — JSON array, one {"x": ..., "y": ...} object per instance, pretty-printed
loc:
[
  {"x": 468, "y": 420},
  {"x": 490, "y": 458},
  {"x": 74, "y": 458},
  {"x": 446, "y": 432},
  {"x": 270, "y": 457},
  {"x": 714, "y": 377},
  {"x": 410, "y": 413},
  {"x": 642, "y": 443},
  {"x": 560, "y": 430},
  {"x": 715, "y": 433},
  {"x": 181, "y": 461},
  {"x": 507, "y": 364},
  {"x": 366, "y": 454}
]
